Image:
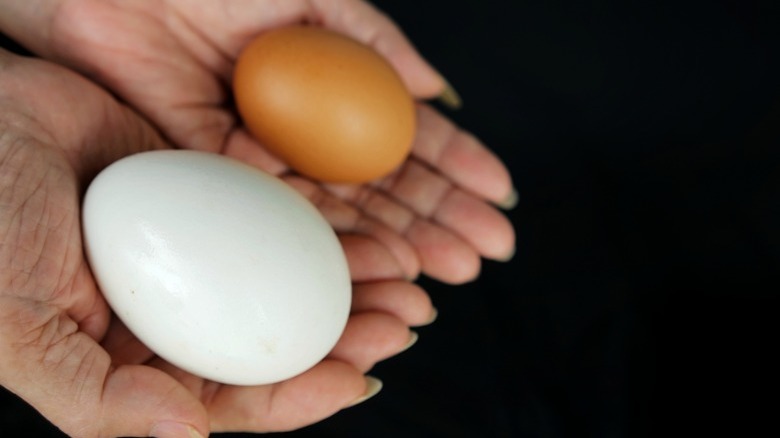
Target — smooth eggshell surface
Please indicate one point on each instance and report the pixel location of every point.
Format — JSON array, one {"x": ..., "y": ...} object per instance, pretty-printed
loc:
[
  {"x": 331, "y": 107},
  {"x": 219, "y": 268}
]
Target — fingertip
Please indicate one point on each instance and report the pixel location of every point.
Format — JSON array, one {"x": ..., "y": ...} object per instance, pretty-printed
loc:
[
  {"x": 160, "y": 405},
  {"x": 508, "y": 256},
  {"x": 421, "y": 79},
  {"x": 432, "y": 317},
  {"x": 172, "y": 429},
  {"x": 370, "y": 337},
  {"x": 406, "y": 301},
  {"x": 449, "y": 97},
  {"x": 510, "y": 201},
  {"x": 371, "y": 26},
  {"x": 373, "y": 386},
  {"x": 413, "y": 338},
  {"x": 462, "y": 276}
]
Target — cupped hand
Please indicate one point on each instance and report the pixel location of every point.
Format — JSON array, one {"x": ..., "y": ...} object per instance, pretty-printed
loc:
[
  {"x": 173, "y": 61},
  {"x": 60, "y": 347}
]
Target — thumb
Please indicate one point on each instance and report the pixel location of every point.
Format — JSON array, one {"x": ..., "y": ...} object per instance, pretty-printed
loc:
[
  {"x": 69, "y": 379},
  {"x": 143, "y": 401}
]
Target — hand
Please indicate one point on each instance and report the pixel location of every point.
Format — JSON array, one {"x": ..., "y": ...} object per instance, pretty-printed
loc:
[
  {"x": 60, "y": 348},
  {"x": 173, "y": 60}
]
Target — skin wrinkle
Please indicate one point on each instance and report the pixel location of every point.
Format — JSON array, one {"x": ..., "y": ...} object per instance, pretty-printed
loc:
[
  {"x": 62, "y": 277},
  {"x": 85, "y": 368},
  {"x": 388, "y": 186},
  {"x": 54, "y": 341},
  {"x": 49, "y": 338},
  {"x": 41, "y": 242},
  {"x": 398, "y": 224},
  {"x": 187, "y": 28},
  {"x": 58, "y": 346},
  {"x": 141, "y": 137},
  {"x": 218, "y": 121},
  {"x": 30, "y": 212},
  {"x": 415, "y": 219},
  {"x": 32, "y": 250},
  {"x": 25, "y": 121},
  {"x": 73, "y": 38},
  {"x": 18, "y": 263},
  {"x": 208, "y": 392},
  {"x": 405, "y": 224},
  {"x": 352, "y": 221},
  {"x": 28, "y": 322},
  {"x": 401, "y": 178},
  {"x": 9, "y": 173},
  {"x": 364, "y": 197}
]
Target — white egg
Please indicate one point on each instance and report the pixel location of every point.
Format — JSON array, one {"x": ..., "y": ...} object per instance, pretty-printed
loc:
[{"x": 217, "y": 267}]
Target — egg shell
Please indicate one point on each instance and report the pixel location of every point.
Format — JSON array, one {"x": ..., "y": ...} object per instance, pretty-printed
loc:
[
  {"x": 219, "y": 268},
  {"x": 329, "y": 106}
]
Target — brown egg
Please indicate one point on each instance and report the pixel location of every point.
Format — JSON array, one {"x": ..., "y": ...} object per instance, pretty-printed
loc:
[{"x": 330, "y": 107}]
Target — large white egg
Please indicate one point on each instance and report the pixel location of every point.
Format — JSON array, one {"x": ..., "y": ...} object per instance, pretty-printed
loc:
[{"x": 219, "y": 268}]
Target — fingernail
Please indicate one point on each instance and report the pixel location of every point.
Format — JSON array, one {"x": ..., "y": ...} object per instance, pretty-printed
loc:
[
  {"x": 507, "y": 257},
  {"x": 449, "y": 97},
  {"x": 413, "y": 337},
  {"x": 172, "y": 429},
  {"x": 373, "y": 386},
  {"x": 510, "y": 201},
  {"x": 432, "y": 317}
]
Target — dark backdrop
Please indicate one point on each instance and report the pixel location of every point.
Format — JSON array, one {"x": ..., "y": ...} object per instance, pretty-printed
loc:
[{"x": 643, "y": 139}]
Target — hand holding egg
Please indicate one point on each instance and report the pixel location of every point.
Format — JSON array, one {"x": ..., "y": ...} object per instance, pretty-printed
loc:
[
  {"x": 67, "y": 355},
  {"x": 223, "y": 270},
  {"x": 336, "y": 111},
  {"x": 433, "y": 215}
]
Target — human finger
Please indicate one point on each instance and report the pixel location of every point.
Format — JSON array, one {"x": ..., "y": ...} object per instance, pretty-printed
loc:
[
  {"x": 404, "y": 300},
  {"x": 318, "y": 393},
  {"x": 311, "y": 396},
  {"x": 235, "y": 23},
  {"x": 70, "y": 379},
  {"x": 461, "y": 158},
  {"x": 370, "y": 337},
  {"x": 367, "y": 24},
  {"x": 434, "y": 198},
  {"x": 347, "y": 219}
]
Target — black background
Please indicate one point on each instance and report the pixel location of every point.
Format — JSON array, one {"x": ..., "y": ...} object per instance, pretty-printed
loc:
[{"x": 644, "y": 140}]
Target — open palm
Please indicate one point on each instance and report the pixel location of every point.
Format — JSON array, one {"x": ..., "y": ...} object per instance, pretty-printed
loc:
[
  {"x": 60, "y": 347},
  {"x": 173, "y": 59}
]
